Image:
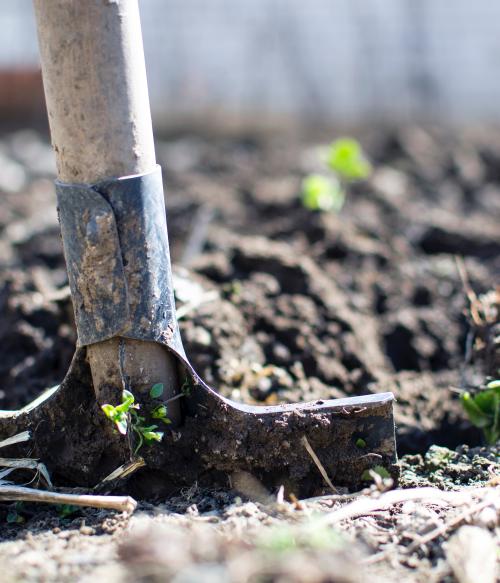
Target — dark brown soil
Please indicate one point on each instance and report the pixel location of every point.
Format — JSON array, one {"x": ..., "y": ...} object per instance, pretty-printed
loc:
[
  {"x": 307, "y": 305},
  {"x": 278, "y": 304}
]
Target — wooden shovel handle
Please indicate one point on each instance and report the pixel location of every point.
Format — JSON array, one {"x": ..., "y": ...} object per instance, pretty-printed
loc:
[{"x": 98, "y": 106}]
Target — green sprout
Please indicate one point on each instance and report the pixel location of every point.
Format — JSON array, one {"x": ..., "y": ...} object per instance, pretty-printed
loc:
[
  {"x": 126, "y": 414},
  {"x": 120, "y": 414},
  {"x": 156, "y": 391},
  {"x": 483, "y": 410},
  {"x": 145, "y": 433},
  {"x": 345, "y": 157},
  {"x": 161, "y": 412},
  {"x": 322, "y": 193},
  {"x": 361, "y": 443},
  {"x": 346, "y": 161}
]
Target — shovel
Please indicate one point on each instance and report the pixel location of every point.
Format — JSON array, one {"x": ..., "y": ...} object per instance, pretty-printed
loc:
[{"x": 114, "y": 231}]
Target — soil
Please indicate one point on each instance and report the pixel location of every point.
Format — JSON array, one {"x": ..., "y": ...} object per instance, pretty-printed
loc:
[{"x": 278, "y": 304}]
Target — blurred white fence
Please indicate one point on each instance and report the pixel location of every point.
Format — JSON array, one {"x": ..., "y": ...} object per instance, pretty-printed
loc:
[{"x": 334, "y": 60}]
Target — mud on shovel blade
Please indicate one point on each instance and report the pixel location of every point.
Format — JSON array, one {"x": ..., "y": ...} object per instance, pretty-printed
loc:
[
  {"x": 216, "y": 436},
  {"x": 116, "y": 249}
]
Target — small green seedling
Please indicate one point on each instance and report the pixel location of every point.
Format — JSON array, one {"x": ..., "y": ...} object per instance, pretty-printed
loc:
[
  {"x": 145, "y": 433},
  {"x": 483, "y": 410},
  {"x": 361, "y": 443},
  {"x": 346, "y": 161},
  {"x": 126, "y": 414},
  {"x": 156, "y": 391},
  {"x": 346, "y": 158},
  {"x": 322, "y": 193},
  {"x": 161, "y": 413},
  {"x": 120, "y": 414}
]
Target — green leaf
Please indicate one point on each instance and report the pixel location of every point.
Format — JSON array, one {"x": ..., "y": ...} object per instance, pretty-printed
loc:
[
  {"x": 486, "y": 400},
  {"x": 159, "y": 412},
  {"x": 156, "y": 391},
  {"x": 475, "y": 413},
  {"x": 346, "y": 158},
  {"x": 122, "y": 425},
  {"x": 145, "y": 429},
  {"x": 128, "y": 400},
  {"x": 109, "y": 411},
  {"x": 360, "y": 442},
  {"x": 321, "y": 193},
  {"x": 152, "y": 436}
]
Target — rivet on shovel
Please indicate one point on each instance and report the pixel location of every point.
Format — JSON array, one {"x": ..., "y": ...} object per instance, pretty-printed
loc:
[{"x": 114, "y": 231}]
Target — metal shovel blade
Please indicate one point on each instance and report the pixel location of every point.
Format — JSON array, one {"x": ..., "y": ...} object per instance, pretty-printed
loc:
[{"x": 217, "y": 438}]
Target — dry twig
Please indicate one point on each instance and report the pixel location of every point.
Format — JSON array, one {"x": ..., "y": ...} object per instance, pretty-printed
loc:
[
  {"x": 367, "y": 505},
  {"x": 319, "y": 465},
  {"x": 119, "y": 503}
]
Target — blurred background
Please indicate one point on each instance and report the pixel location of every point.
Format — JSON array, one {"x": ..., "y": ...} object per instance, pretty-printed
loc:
[{"x": 267, "y": 63}]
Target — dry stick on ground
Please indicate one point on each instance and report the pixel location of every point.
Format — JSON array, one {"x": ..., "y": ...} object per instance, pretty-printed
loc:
[
  {"x": 17, "y": 438},
  {"x": 367, "y": 505},
  {"x": 119, "y": 503},
  {"x": 443, "y": 529},
  {"x": 437, "y": 532},
  {"x": 474, "y": 303},
  {"x": 318, "y": 463},
  {"x": 12, "y": 492}
]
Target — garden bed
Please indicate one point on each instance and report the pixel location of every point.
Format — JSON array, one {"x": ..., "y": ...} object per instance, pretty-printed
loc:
[{"x": 281, "y": 304}]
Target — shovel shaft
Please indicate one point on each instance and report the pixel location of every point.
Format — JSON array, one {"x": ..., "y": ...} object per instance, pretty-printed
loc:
[
  {"x": 98, "y": 107},
  {"x": 95, "y": 87}
]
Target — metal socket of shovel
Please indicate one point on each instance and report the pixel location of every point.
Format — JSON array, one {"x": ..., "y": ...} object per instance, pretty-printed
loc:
[{"x": 114, "y": 231}]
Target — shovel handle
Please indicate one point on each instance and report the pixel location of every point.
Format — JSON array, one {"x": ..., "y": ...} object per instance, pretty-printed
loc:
[
  {"x": 95, "y": 86},
  {"x": 96, "y": 92}
]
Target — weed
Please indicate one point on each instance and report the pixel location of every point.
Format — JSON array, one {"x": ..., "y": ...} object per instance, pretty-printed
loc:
[
  {"x": 126, "y": 414},
  {"x": 145, "y": 433},
  {"x": 156, "y": 391},
  {"x": 346, "y": 158},
  {"x": 483, "y": 410},
  {"x": 322, "y": 193},
  {"x": 120, "y": 414},
  {"x": 160, "y": 412},
  {"x": 346, "y": 161}
]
